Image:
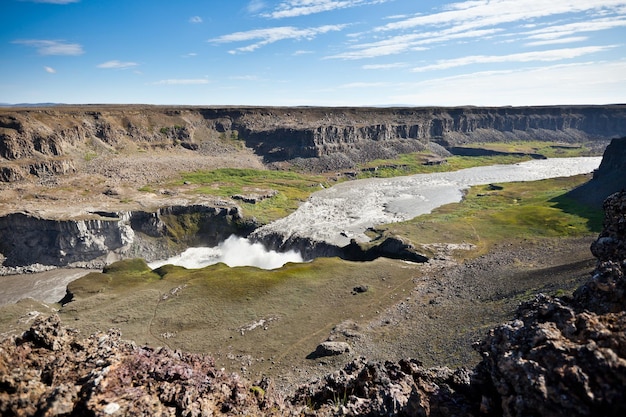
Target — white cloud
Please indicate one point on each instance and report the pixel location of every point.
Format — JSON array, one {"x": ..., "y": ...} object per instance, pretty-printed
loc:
[
  {"x": 294, "y": 8},
  {"x": 566, "y": 30},
  {"x": 557, "y": 41},
  {"x": 195, "y": 19},
  {"x": 115, "y": 64},
  {"x": 410, "y": 43},
  {"x": 50, "y": 70},
  {"x": 195, "y": 81},
  {"x": 384, "y": 66},
  {"x": 542, "y": 56},
  {"x": 271, "y": 35},
  {"x": 54, "y": 1},
  {"x": 480, "y": 13},
  {"x": 190, "y": 55},
  {"x": 302, "y": 52},
  {"x": 580, "y": 83},
  {"x": 52, "y": 47},
  {"x": 255, "y": 6}
]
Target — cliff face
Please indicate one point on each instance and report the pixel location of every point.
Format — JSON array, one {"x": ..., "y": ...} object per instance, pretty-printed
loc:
[
  {"x": 31, "y": 243},
  {"x": 608, "y": 178},
  {"x": 42, "y": 141}
]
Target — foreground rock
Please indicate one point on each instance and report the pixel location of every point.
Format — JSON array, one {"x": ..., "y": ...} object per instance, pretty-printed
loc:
[{"x": 50, "y": 370}]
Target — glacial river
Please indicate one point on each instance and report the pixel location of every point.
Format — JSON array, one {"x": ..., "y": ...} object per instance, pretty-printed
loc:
[
  {"x": 345, "y": 211},
  {"x": 334, "y": 215}
]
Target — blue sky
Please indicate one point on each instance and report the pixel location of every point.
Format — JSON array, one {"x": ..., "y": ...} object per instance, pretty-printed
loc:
[{"x": 313, "y": 52}]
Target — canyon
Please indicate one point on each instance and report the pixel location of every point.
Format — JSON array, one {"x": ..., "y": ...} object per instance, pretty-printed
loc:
[
  {"x": 98, "y": 186},
  {"x": 80, "y": 173}
]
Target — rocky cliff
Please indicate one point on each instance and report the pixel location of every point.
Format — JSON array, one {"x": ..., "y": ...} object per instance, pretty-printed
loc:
[
  {"x": 30, "y": 243},
  {"x": 610, "y": 177},
  {"x": 48, "y": 141}
]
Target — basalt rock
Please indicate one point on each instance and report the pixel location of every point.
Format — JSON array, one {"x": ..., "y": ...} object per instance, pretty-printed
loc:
[
  {"x": 51, "y": 370},
  {"x": 609, "y": 178},
  {"x": 31, "y": 243},
  {"x": 314, "y": 137}
]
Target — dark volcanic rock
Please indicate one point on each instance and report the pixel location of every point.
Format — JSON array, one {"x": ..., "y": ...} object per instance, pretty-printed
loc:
[
  {"x": 51, "y": 371},
  {"x": 609, "y": 178}
]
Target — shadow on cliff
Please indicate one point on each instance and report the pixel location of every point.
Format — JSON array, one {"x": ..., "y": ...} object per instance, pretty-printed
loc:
[{"x": 608, "y": 179}]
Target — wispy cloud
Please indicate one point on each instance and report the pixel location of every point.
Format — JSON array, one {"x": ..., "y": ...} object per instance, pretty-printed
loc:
[
  {"x": 178, "y": 81},
  {"x": 53, "y": 1},
  {"x": 384, "y": 66},
  {"x": 115, "y": 64},
  {"x": 271, "y": 35},
  {"x": 50, "y": 70},
  {"x": 195, "y": 19},
  {"x": 481, "y": 13},
  {"x": 255, "y": 6},
  {"x": 52, "y": 47},
  {"x": 294, "y": 8},
  {"x": 480, "y": 20},
  {"x": 567, "y": 30},
  {"x": 410, "y": 43},
  {"x": 538, "y": 56},
  {"x": 190, "y": 55}
]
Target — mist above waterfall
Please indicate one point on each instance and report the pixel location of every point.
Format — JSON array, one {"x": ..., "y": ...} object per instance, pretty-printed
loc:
[{"x": 234, "y": 251}]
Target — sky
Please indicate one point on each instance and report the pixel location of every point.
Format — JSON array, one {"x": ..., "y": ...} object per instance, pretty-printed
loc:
[{"x": 313, "y": 52}]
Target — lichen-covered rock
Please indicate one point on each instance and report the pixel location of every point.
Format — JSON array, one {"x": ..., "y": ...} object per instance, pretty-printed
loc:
[
  {"x": 50, "y": 370},
  {"x": 375, "y": 389}
]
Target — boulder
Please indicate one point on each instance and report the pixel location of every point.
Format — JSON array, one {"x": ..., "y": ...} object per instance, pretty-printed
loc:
[{"x": 329, "y": 348}]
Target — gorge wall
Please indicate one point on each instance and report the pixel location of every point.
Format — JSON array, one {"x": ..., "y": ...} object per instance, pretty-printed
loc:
[
  {"x": 30, "y": 243},
  {"x": 43, "y": 141}
]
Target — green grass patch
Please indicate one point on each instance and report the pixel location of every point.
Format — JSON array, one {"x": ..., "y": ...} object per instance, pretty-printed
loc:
[
  {"x": 518, "y": 210},
  {"x": 293, "y": 188}
]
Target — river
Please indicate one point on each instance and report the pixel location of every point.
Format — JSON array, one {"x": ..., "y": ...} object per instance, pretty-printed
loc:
[
  {"x": 345, "y": 211},
  {"x": 334, "y": 215}
]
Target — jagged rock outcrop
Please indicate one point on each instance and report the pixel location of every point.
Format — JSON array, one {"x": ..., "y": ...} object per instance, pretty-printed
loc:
[
  {"x": 609, "y": 178},
  {"x": 51, "y": 370},
  {"x": 315, "y": 138},
  {"x": 31, "y": 243}
]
